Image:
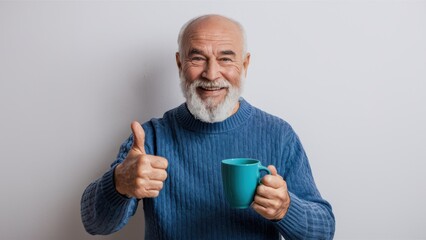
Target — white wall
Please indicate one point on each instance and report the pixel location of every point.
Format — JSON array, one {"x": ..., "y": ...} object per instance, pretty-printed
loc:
[{"x": 349, "y": 76}]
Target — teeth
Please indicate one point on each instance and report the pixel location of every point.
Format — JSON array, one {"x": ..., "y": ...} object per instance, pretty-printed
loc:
[{"x": 211, "y": 88}]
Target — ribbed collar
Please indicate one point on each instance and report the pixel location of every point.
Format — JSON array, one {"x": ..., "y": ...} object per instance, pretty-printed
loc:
[{"x": 187, "y": 120}]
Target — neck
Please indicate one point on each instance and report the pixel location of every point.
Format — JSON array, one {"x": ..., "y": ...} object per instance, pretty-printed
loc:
[{"x": 237, "y": 106}]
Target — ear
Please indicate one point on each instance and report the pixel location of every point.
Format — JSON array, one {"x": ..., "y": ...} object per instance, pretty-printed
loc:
[
  {"x": 178, "y": 62},
  {"x": 246, "y": 63}
]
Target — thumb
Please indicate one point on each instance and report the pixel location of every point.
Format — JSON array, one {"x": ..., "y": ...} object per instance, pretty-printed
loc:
[
  {"x": 138, "y": 137},
  {"x": 273, "y": 170}
]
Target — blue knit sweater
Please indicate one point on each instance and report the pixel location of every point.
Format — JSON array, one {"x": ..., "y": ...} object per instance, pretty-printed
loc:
[{"x": 191, "y": 204}]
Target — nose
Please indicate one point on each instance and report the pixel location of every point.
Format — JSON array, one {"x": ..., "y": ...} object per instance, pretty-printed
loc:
[{"x": 212, "y": 70}]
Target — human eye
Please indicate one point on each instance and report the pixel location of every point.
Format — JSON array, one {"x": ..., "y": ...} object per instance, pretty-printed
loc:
[
  {"x": 197, "y": 59},
  {"x": 225, "y": 59}
]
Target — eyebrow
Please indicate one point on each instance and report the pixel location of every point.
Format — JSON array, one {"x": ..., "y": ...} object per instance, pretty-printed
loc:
[
  {"x": 228, "y": 52},
  {"x": 196, "y": 51}
]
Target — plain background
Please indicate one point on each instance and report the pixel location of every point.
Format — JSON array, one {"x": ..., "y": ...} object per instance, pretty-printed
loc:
[{"x": 349, "y": 76}]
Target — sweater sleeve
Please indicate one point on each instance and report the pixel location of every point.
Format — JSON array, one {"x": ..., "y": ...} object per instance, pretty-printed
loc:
[
  {"x": 309, "y": 215},
  {"x": 103, "y": 209}
]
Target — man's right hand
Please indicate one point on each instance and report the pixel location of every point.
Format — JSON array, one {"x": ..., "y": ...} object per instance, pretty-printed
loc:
[{"x": 140, "y": 175}]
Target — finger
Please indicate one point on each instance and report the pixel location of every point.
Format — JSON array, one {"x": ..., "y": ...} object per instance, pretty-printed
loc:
[
  {"x": 273, "y": 181},
  {"x": 154, "y": 185},
  {"x": 269, "y": 192},
  {"x": 138, "y": 137},
  {"x": 158, "y": 175},
  {"x": 259, "y": 209},
  {"x": 147, "y": 194},
  {"x": 262, "y": 201},
  {"x": 257, "y": 206},
  {"x": 152, "y": 193},
  {"x": 267, "y": 212},
  {"x": 144, "y": 185},
  {"x": 147, "y": 172},
  {"x": 264, "y": 191},
  {"x": 159, "y": 162},
  {"x": 273, "y": 170}
]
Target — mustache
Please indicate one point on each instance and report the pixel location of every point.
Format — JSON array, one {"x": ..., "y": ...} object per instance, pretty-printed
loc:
[{"x": 220, "y": 83}]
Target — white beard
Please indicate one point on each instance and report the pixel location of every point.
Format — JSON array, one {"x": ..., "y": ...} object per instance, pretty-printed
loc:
[{"x": 207, "y": 110}]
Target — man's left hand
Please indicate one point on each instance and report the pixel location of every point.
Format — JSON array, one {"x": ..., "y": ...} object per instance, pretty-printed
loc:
[{"x": 272, "y": 199}]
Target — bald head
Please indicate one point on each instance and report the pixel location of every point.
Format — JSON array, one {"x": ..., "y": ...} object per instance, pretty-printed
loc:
[{"x": 212, "y": 22}]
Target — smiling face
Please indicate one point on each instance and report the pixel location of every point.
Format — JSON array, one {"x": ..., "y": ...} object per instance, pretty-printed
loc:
[{"x": 212, "y": 65}]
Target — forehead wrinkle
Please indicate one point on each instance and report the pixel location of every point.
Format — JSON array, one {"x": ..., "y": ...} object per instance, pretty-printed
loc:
[
  {"x": 214, "y": 41},
  {"x": 224, "y": 46},
  {"x": 220, "y": 49}
]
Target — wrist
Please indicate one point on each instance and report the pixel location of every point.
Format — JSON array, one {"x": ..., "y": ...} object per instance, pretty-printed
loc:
[
  {"x": 116, "y": 180},
  {"x": 285, "y": 209}
]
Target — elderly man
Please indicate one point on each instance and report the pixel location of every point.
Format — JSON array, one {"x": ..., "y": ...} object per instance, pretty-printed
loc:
[{"x": 172, "y": 164}]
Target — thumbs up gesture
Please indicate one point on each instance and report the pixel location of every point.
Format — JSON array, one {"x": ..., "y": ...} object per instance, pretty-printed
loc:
[{"x": 140, "y": 175}]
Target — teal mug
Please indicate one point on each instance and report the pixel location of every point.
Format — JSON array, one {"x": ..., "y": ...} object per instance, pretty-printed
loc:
[{"x": 240, "y": 178}]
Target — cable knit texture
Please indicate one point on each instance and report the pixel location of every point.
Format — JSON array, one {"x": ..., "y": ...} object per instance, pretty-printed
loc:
[{"x": 192, "y": 205}]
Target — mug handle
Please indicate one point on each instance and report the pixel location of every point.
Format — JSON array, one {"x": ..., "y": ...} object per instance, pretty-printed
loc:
[{"x": 262, "y": 168}]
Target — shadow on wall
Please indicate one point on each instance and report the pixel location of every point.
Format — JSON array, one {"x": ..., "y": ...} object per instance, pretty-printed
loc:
[{"x": 153, "y": 88}]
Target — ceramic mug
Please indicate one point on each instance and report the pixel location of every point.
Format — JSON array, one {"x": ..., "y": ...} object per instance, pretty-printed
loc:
[{"x": 240, "y": 178}]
